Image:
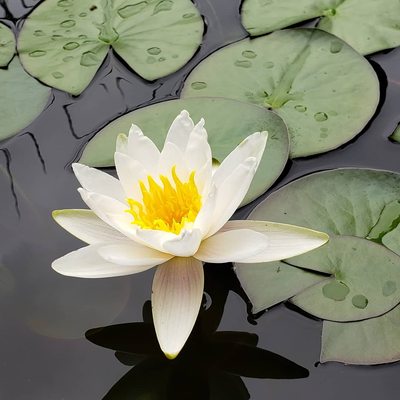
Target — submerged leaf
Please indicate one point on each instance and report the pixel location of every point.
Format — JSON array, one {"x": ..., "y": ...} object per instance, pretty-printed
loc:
[
  {"x": 64, "y": 42},
  {"x": 367, "y": 25},
  {"x": 22, "y": 99},
  {"x": 321, "y": 87},
  {"x": 228, "y": 122}
]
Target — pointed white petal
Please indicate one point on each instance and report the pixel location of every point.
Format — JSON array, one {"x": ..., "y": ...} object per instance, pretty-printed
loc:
[
  {"x": 130, "y": 172},
  {"x": 231, "y": 193},
  {"x": 203, "y": 220},
  {"x": 252, "y": 146},
  {"x": 231, "y": 246},
  {"x": 122, "y": 144},
  {"x": 87, "y": 263},
  {"x": 97, "y": 181},
  {"x": 179, "y": 131},
  {"x": 176, "y": 299},
  {"x": 284, "y": 241},
  {"x": 172, "y": 156},
  {"x": 142, "y": 149},
  {"x": 132, "y": 253},
  {"x": 87, "y": 226}
]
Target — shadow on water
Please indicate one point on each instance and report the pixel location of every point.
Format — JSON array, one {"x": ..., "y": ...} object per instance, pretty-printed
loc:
[{"x": 209, "y": 367}]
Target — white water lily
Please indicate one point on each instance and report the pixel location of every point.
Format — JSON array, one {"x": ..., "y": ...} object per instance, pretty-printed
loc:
[{"x": 170, "y": 209}]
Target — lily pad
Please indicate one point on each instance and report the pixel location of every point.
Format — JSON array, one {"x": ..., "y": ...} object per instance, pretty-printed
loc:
[
  {"x": 7, "y": 45},
  {"x": 267, "y": 284},
  {"x": 373, "y": 341},
  {"x": 64, "y": 42},
  {"x": 367, "y": 25},
  {"x": 363, "y": 277},
  {"x": 228, "y": 122},
  {"x": 321, "y": 87},
  {"x": 22, "y": 99},
  {"x": 395, "y": 136}
]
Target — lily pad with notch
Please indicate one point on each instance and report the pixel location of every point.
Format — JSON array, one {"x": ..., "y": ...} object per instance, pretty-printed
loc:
[
  {"x": 367, "y": 25},
  {"x": 228, "y": 122},
  {"x": 321, "y": 87},
  {"x": 64, "y": 42},
  {"x": 7, "y": 45}
]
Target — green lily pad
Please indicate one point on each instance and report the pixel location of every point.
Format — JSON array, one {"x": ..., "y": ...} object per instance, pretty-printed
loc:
[
  {"x": 395, "y": 136},
  {"x": 373, "y": 341},
  {"x": 267, "y": 284},
  {"x": 7, "y": 45},
  {"x": 391, "y": 240},
  {"x": 22, "y": 99},
  {"x": 367, "y": 25},
  {"x": 64, "y": 42},
  {"x": 321, "y": 87},
  {"x": 363, "y": 276},
  {"x": 228, "y": 122}
]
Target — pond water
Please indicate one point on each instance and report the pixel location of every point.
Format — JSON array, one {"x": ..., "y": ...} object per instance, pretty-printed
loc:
[{"x": 46, "y": 319}]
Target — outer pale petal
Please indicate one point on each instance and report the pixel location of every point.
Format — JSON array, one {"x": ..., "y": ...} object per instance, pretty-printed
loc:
[
  {"x": 284, "y": 241},
  {"x": 87, "y": 226},
  {"x": 97, "y": 181},
  {"x": 176, "y": 299},
  {"x": 231, "y": 193},
  {"x": 87, "y": 263},
  {"x": 179, "y": 131},
  {"x": 132, "y": 253},
  {"x": 231, "y": 246},
  {"x": 203, "y": 220},
  {"x": 142, "y": 149},
  {"x": 252, "y": 146},
  {"x": 130, "y": 172}
]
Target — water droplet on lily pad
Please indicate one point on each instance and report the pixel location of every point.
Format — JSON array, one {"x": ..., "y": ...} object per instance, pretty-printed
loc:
[
  {"x": 359, "y": 301},
  {"x": 161, "y": 59},
  {"x": 243, "y": 63},
  {"x": 336, "y": 46},
  {"x": 320, "y": 116},
  {"x": 269, "y": 65},
  {"x": 39, "y": 32},
  {"x": 64, "y": 3},
  {"x": 154, "y": 51},
  {"x": 58, "y": 75},
  {"x": 83, "y": 14},
  {"x": 68, "y": 23},
  {"x": 71, "y": 46},
  {"x": 335, "y": 290},
  {"x": 82, "y": 36},
  {"x": 389, "y": 288},
  {"x": 249, "y": 54},
  {"x": 37, "y": 53},
  {"x": 163, "y": 5},
  {"x": 68, "y": 58},
  {"x": 198, "y": 85},
  {"x": 132, "y": 9},
  {"x": 300, "y": 108},
  {"x": 89, "y": 59}
]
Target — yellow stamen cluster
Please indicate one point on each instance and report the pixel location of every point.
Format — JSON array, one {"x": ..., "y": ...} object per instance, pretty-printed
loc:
[{"x": 167, "y": 207}]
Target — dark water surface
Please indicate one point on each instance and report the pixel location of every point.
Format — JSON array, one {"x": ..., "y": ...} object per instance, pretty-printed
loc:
[{"x": 44, "y": 354}]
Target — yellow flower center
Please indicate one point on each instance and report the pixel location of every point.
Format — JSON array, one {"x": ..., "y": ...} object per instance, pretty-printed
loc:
[{"x": 167, "y": 207}]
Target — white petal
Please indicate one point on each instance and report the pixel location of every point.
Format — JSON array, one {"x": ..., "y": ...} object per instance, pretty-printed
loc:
[
  {"x": 121, "y": 145},
  {"x": 183, "y": 245},
  {"x": 231, "y": 246},
  {"x": 132, "y": 253},
  {"x": 284, "y": 241},
  {"x": 198, "y": 151},
  {"x": 252, "y": 146},
  {"x": 97, "y": 181},
  {"x": 130, "y": 172},
  {"x": 87, "y": 263},
  {"x": 172, "y": 156},
  {"x": 179, "y": 131},
  {"x": 203, "y": 220},
  {"x": 231, "y": 193},
  {"x": 87, "y": 226},
  {"x": 176, "y": 299},
  {"x": 142, "y": 149}
]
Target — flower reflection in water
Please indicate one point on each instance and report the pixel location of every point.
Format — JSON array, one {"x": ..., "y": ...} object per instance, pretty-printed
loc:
[{"x": 209, "y": 367}]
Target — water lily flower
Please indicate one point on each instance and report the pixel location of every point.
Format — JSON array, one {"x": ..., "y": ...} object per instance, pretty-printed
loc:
[{"x": 171, "y": 209}]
